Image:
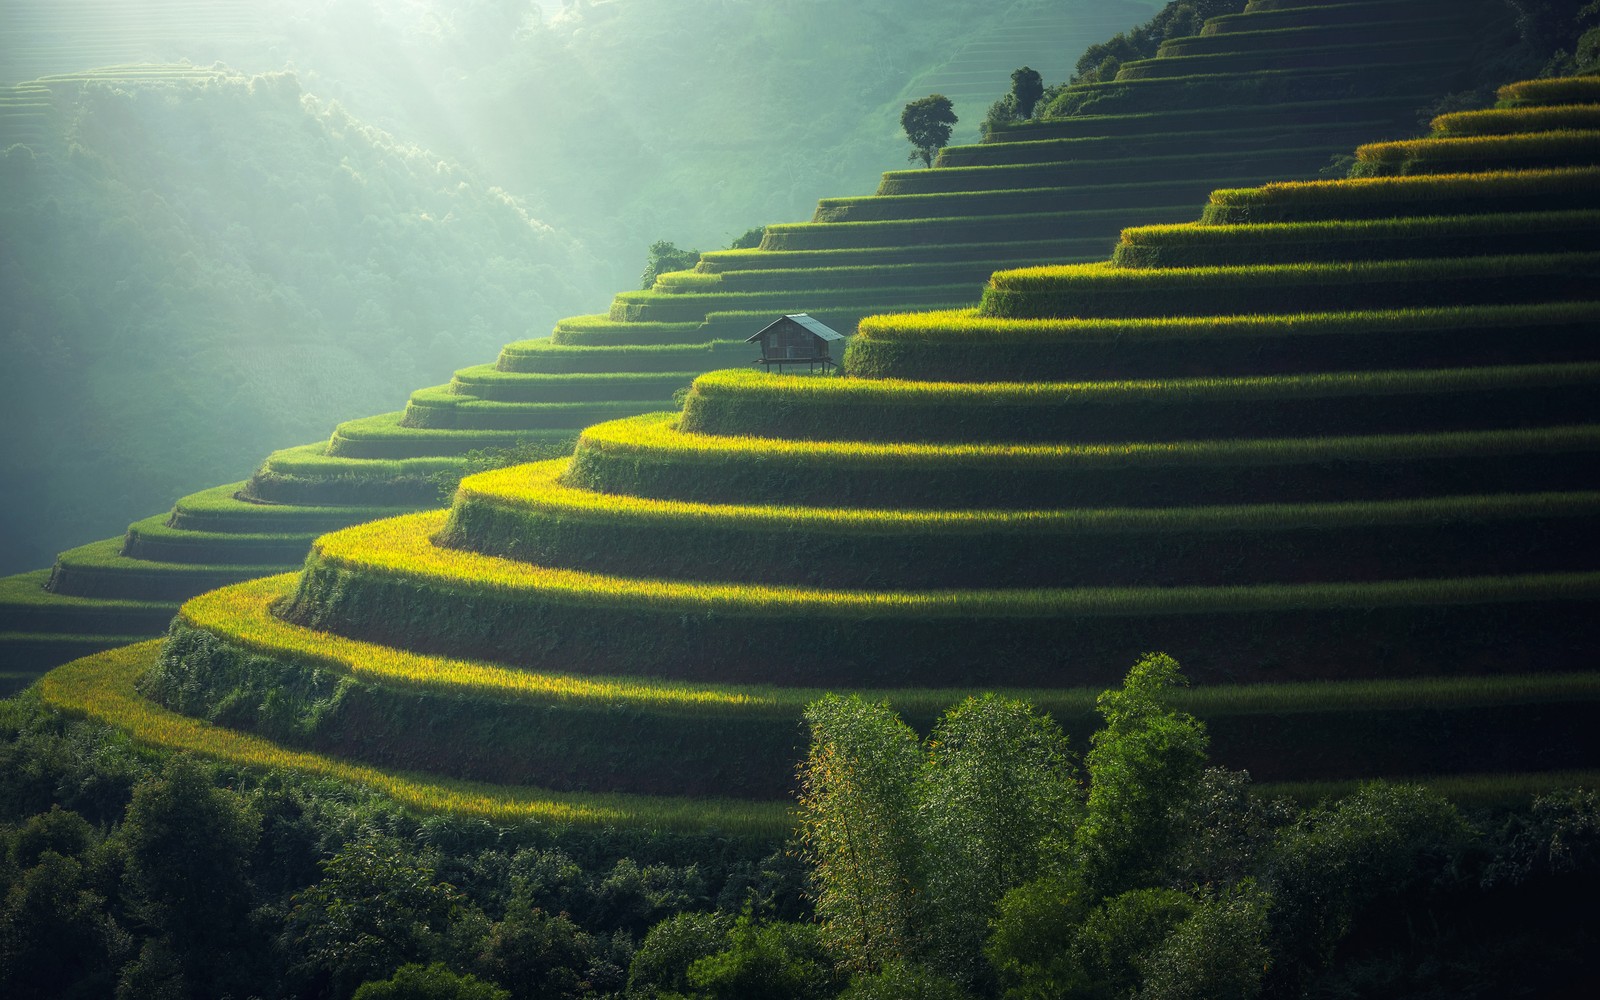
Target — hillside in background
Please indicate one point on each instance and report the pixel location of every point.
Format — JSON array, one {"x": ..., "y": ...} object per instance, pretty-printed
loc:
[
  {"x": 425, "y": 182},
  {"x": 198, "y": 265},
  {"x": 619, "y": 121}
]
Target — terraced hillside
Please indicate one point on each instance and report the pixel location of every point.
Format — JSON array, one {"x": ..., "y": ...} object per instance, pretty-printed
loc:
[
  {"x": 1048, "y": 191},
  {"x": 1332, "y": 445},
  {"x": 1030, "y": 34}
]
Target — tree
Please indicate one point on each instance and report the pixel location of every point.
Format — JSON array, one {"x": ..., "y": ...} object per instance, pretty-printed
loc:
[
  {"x": 431, "y": 982},
  {"x": 1027, "y": 86},
  {"x": 997, "y": 790},
  {"x": 1144, "y": 767},
  {"x": 189, "y": 846},
  {"x": 857, "y": 802},
  {"x": 664, "y": 257},
  {"x": 927, "y": 122},
  {"x": 377, "y": 906}
]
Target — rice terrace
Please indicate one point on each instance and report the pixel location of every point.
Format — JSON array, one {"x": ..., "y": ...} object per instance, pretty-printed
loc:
[{"x": 1157, "y": 556}]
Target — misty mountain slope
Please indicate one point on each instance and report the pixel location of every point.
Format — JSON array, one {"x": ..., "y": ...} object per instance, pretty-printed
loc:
[
  {"x": 198, "y": 265},
  {"x": 603, "y": 115}
]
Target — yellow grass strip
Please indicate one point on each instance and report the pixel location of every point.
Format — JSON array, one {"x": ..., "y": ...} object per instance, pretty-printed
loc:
[
  {"x": 967, "y": 326},
  {"x": 101, "y": 687},
  {"x": 656, "y": 435},
  {"x": 781, "y": 391},
  {"x": 402, "y": 547},
  {"x": 538, "y": 488},
  {"x": 242, "y": 614}
]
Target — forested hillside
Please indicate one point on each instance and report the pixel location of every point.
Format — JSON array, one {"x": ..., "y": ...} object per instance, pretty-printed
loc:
[
  {"x": 359, "y": 197},
  {"x": 198, "y": 266}
]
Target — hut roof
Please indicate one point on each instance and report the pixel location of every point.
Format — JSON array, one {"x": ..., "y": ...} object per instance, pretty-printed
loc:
[{"x": 822, "y": 330}]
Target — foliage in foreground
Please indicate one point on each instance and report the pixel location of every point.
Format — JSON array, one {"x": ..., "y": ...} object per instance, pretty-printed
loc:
[
  {"x": 972, "y": 863},
  {"x": 976, "y": 860}
]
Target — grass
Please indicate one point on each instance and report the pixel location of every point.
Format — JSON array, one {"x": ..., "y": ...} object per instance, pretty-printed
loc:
[
  {"x": 645, "y": 457},
  {"x": 1121, "y": 147},
  {"x": 632, "y": 306},
  {"x": 544, "y": 357},
  {"x": 1193, "y": 245},
  {"x": 1296, "y": 111},
  {"x": 654, "y": 436},
  {"x": 307, "y": 475},
  {"x": 528, "y": 515},
  {"x": 394, "y": 436},
  {"x": 1291, "y": 51},
  {"x": 100, "y": 570},
  {"x": 1555, "y": 91},
  {"x": 1427, "y": 194},
  {"x": 1105, "y": 290},
  {"x": 802, "y": 279},
  {"x": 799, "y": 407},
  {"x": 26, "y": 606},
  {"x": 1299, "y": 12},
  {"x": 402, "y": 547},
  {"x": 1514, "y": 121},
  {"x": 102, "y": 687},
  {"x": 388, "y": 583},
  {"x": 152, "y": 539},
  {"x": 725, "y": 261},
  {"x": 1453, "y": 154},
  {"x": 761, "y": 722},
  {"x": 601, "y": 397},
  {"x": 220, "y": 510},
  {"x": 1292, "y": 33},
  {"x": 242, "y": 614},
  {"x": 538, "y": 488},
  {"x": 965, "y": 228},
  {"x": 959, "y": 344},
  {"x": 1142, "y": 168},
  {"x": 1075, "y": 199},
  {"x": 603, "y": 331},
  {"x": 956, "y": 326}
]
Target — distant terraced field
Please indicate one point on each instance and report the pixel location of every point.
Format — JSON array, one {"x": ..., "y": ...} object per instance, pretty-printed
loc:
[{"x": 1354, "y": 491}]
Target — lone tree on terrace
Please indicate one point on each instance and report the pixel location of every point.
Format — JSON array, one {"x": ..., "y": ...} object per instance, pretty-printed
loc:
[
  {"x": 1027, "y": 86},
  {"x": 927, "y": 122}
]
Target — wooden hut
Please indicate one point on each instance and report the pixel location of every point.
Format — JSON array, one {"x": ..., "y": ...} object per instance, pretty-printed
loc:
[{"x": 796, "y": 340}]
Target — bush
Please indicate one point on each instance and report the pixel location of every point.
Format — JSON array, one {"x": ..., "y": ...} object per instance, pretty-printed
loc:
[{"x": 433, "y": 982}]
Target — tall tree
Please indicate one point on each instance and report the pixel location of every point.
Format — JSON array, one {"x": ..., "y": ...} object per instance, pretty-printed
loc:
[
  {"x": 927, "y": 122},
  {"x": 857, "y": 802},
  {"x": 1027, "y": 86}
]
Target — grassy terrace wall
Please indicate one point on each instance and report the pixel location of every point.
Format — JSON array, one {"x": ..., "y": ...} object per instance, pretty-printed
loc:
[
  {"x": 1354, "y": 492},
  {"x": 982, "y": 208}
]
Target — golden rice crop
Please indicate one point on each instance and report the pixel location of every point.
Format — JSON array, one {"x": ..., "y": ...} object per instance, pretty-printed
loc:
[
  {"x": 1104, "y": 275},
  {"x": 242, "y": 614},
  {"x": 1482, "y": 183},
  {"x": 656, "y": 435},
  {"x": 800, "y": 390},
  {"x": 1509, "y": 121},
  {"x": 1550, "y": 91},
  {"x": 967, "y": 325},
  {"x": 1322, "y": 230},
  {"x": 102, "y": 687},
  {"x": 538, "y": 487},
  {"x": 402, "y": 548},
  {"x": 1581, "y": 146}
]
